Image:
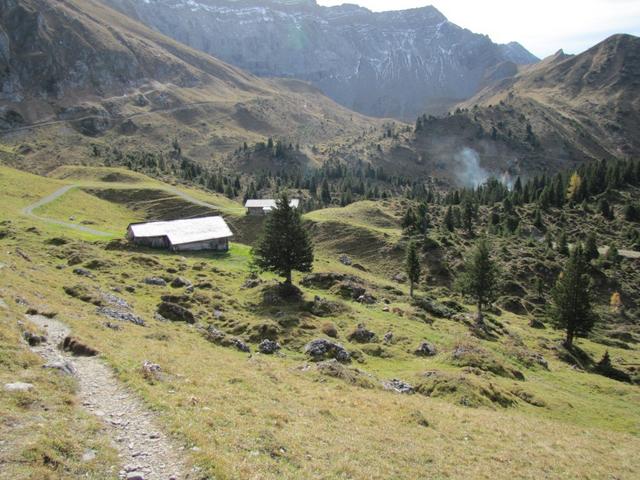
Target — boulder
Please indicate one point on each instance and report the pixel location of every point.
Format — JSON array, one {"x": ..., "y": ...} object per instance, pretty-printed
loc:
[
  {"x": 322, "y": 349},
  {"x": 345, "y": 259},
  {"x": 122, "y": 315},
  {"x": 388, "y": 337},
  {"x": 425, "y": 349},
  {"x": 33, "y": 339},
  {"x": 434, "y": 308},
  {"x": 361, "y": 335},
  {"x": 268, "y": 347},
  {"x": 536, "y": 323},
  {"x": 65, "y": 367},
  {"x": 321, "y": 307},
  {"x": 18, "y": 387},
  {"x": 326, "y": 280},
  {"x": 175, "y": 312},
  {"x": 76, "y": 347},
  {"x": 398, "y": 386},
  {"x": 180, "y": 282},
  {"x": 367, "y": 299},
  {"x": 83, "y": 272},
  {"x": 160, "y": 282},
  {"x": 349, "y": 289}
]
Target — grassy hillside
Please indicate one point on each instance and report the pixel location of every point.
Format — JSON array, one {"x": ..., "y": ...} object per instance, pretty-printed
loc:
[{"x": 479, "y": 402}]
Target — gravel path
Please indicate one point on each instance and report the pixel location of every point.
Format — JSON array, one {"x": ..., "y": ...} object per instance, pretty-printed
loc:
[
  {"x": 50, "y": 198},
  {"x": 146, "y": 452}
]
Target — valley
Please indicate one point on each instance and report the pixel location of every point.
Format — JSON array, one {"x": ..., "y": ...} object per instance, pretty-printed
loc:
[{"x": 454, "y": 293}]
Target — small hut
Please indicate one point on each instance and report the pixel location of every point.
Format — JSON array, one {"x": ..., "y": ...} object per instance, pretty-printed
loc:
[
  {"x": 265, "y": 205},
  {"x": 206, "y": 233}
]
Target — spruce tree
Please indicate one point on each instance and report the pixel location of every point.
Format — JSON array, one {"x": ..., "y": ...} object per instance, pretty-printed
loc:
[
  {"x": 562, "y": 245},
  {"x": 571, "y": 307},
  {"x": 448, "y": 220},
  {"x": 412, "y": 266},
  {"x": 480, "y": 277},
  {"x": 285, "y": 244},
  {"x": 591, "y": 248}
]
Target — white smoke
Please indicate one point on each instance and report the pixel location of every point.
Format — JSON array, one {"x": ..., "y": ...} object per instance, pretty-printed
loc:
[{"x": 469, "y": 171}]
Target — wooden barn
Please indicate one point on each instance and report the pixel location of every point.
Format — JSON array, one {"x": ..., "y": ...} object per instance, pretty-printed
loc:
[
  {"x": 265, "y": 205},
  {"x": 207, "y": 233}
]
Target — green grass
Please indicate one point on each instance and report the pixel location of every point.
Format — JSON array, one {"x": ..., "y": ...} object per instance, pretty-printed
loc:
[
  {"x": 277, "y": 417},
  {"x": 79, "y": 207}
]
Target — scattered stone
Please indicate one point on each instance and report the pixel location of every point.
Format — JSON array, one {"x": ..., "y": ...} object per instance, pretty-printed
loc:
[
  {"x": 268, "y": 347},
  {"x": 88, "y": 456},
  {"x": 434, "y": 308},
  {"x": 536, "y": 323},
  {"x": 160, "y": 282},
  {"x": 218, "y": 337},
  {"x": 398, "y": 386},
  {"x": 361, "y": 335},
  {"x": 18, "y": 387},
  {"x": 321, "y": 307},
  {"x": 345, "y": 259},
  {"x": 322, "y": 349},
  {"x": 425, "y": 349},
  {"x": 76, "y": 347},
  {"x": 367, "y": 299},
  {"x": 251, "y": 282},
  {"x": 357, "y": 266},
  {"x": 64, "y": 367},
  {"x": 135, "y": 476},
  {"x": 204, "y": 286},
  {"x": 399, "y": 277},
  {"x": 150, "y": 369},
  {"x": 123, "y": 316},
  {"x": 23, "y": 255},
  {"x": 388, "y": 337},
  {"x": 180, "y": 282},
  {"x": 83, "y": 272},
  {"x": 33, "y": 339},
  {"x": 176, "y": 313},
  {"x": 349, "y": 289}
]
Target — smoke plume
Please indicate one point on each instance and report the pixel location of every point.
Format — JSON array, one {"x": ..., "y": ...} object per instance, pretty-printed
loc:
[{"x": 469, "y": 172}]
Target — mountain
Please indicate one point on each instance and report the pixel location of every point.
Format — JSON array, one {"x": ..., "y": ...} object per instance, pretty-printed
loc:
[
  {"x": 388, "y": 64},
  {"x": 554, "y": 115},
  {"x": 83, "y": 65}
]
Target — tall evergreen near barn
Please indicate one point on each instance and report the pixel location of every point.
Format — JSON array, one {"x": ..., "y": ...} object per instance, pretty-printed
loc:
[{"x": 285, "y": 244}]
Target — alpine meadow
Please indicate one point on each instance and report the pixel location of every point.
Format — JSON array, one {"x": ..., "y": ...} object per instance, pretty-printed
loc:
[{"x": 272, "y": 239}]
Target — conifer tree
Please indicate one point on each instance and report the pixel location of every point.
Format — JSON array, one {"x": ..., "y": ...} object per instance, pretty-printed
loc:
[
  {"x": 571, "y": 308},
  {"x": 448, "y": 221},
  {"x": 591, "y": 248},
  {"x": 562, "y": 245},
  {"x": 412, "y": 266},
  {"x": 480, "y": 277},
  {"x": 285, "y": 244}
]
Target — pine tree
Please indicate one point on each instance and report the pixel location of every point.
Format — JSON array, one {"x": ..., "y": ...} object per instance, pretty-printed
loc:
[
  {"x": 612, "y": 254},
  {"x": 325, "y": 194},
  {"x": 537, "y": 220},
  {"x": 448, "y": 221},
  {"x": 605, "y": 209},
  {"x": 480, "y": 277},
  {"x": 412, "y": 266},
  {"x": 571, "y": 308},
  {"x": 562, "y": 245},
  {"x": 409, "y": 220},
  {"x": 285, "y": 244},
  {"x": 591, "y": 248}
]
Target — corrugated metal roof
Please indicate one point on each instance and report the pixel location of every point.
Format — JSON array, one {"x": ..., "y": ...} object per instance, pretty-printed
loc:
[
  {"x": 184, "y": 231},
  {"x": 269, "y": 203}
]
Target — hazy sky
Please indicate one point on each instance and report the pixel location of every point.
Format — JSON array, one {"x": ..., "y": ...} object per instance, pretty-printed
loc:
[{"x": 542, "y": 26}]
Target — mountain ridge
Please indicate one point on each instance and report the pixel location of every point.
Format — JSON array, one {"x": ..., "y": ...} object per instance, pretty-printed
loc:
[{"x": 385, "y": 64}]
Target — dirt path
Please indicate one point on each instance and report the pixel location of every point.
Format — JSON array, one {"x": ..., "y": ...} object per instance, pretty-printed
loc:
[
  {"x": 50, "y": 198},
  {"x": 146, "y": 453}
]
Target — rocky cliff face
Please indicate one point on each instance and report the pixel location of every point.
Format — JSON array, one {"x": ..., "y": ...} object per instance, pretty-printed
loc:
[{"x": 399, "y": 63}]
